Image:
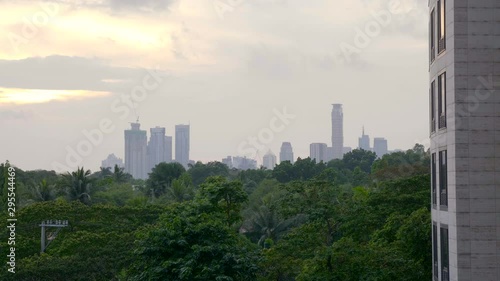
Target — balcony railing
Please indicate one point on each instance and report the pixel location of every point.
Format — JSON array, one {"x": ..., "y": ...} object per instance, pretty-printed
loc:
[
  {"x": 433, "y": 125},
  {"x": 441, "y": 45}
]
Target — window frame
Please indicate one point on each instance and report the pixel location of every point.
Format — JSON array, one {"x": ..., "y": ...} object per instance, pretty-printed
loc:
[
  {"x": 443, "y": 178},
  {"x": 435, "y": 257},
  {"x": 441, "y": 25},
  {"x": 432, "y": 35},
  {"x": 433, "y": 180},
  {"x": 445, "y": 253},
  {"x": 441, "y": 101},
  {"x": 432, "y": 106}
]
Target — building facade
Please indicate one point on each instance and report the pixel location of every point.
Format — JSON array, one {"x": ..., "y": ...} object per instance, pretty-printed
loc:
[
  {"x": 286, "y": 152},
  {"x": 464, "y": 90},
  {"x": 135, "y": 151},
  {"x": 159, "y": 148},
  {"x": 182, "y": 144},
  {"x": 337, "y": 131},
  {"x": 111, "y": 162},
  {"x": 380, "y": 147},
  {"x": 364, "y": 141},
  {"x": 269, "y": 160},
  {"x": 318, "y": 152}
]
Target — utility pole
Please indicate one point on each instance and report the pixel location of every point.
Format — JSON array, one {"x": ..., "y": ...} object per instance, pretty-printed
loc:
[{"x": 50, "y": 223}]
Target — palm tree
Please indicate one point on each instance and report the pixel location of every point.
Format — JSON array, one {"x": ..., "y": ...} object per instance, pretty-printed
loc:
[
  {"x": 265, "y": 223},
  {"x": 119, "y": 175},
  {"x": 77, "y": 185},
  {"x": 42, "y": 192},
  {"x": 181, "y": 189}
]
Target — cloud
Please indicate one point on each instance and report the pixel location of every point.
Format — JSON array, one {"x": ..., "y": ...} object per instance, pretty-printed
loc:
[
  {"x": 66, "y": 73},
  {"x": 15, "y": 114}
]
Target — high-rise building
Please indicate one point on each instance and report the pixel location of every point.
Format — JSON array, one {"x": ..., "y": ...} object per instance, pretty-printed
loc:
[
  {"x": 337, "y": 131},
  {"x": 112, "y": 161},
  {"x": 464, "y": 90},
  {"x": 380, "y": 147},
  {"x": 269, "y": 160},
  {"x": 318, "y": 152},
  {"x": 159, "y": 148},
  {"x": 286, "y": 152},
  {"x": 347, "y": 149},
  {"x": 135, "y": 151},
  {"x": 329, "y": 154},
  {"x": 182, "y": 143},
  {"x": 364, "y": 141},
  {"x": 243, "y": 163},
  {"x": 228, "y": 161}
]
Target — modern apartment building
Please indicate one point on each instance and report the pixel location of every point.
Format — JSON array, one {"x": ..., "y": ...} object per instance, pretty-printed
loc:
[{"x": 464, "y": 90}]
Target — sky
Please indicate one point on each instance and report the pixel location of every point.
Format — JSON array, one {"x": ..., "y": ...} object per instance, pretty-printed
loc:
[{"x": 75, "y": 73}]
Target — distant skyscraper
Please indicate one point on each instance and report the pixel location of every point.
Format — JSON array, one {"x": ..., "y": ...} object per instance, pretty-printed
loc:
[
  {"x": 380, "y": 146},
  {"x": 111, "y": 162},
  {"x": 243, "y": 163},
  {"x": 182, "y": 143},
  {"x": 337, "y": 131},
  {"x": 347, "y": 149},
  {"x": 228, "y": 161},
  {"x": 329, "y": 154},
  {"x": 159, "y": 148},
  {"x": 135, "y": 151},
  {"x": 269, "y": 160},
  {"x": 286, "y": 153},
  {"x": 318, "y": 152},
  {"x": 364, "y": 141}
]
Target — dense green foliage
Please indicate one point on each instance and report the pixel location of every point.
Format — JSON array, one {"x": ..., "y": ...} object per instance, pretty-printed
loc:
[{"x": 356, "y": 218}]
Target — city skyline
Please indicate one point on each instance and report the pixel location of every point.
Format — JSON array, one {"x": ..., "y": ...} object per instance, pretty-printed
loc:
[{"x": 57, "y": 91}]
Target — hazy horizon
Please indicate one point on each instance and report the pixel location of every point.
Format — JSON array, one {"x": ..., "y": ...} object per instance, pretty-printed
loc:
[{"x": 225, "y": 69}]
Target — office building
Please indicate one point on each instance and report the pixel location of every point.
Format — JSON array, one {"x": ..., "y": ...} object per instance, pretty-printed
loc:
[
  {"x": 286, "y": 152},
  {"x": 111, "y": 162},
  {"x": 159, "y": 148},
  {"x": 337, "y": 131},
  {"x": 182, "y": 143},
  {"x": 318, "y": 152},
  {"x": 464, "y": 90},
  {"x": 364, "y": 141},
  {"x": 135, "y": 151},
  {"x": 380, "y": 147},
  {"x": 269, "y": 160}
]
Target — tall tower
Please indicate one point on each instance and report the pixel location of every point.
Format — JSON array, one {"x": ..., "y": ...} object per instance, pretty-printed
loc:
[
  {"x": 135, "y": 151},
  {"x": 364, "y": 141},
  {"x": 286, "y": 152},
  {"x": 159, "y": 148},
  {"x": 337, "y": 131},
  {"x": 464, "y": 90},
  {"x": 182, "y": 143}
]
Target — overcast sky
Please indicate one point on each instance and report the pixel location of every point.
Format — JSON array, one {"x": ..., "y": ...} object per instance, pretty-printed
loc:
[{"x": 224, "y": 66}]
